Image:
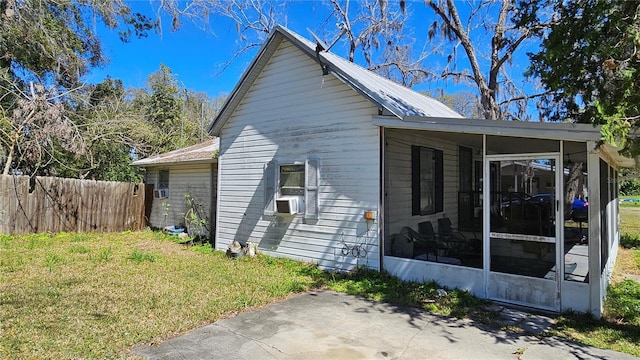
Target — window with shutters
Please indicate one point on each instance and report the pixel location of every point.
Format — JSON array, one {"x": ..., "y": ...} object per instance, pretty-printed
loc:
[
  {"x": 294, "y": 180},
  {"x": 426, "y": 180},
  {"x": 291, "y": 180}
]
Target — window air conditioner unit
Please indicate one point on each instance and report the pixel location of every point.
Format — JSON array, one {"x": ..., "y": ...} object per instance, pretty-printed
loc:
[
  {"x": 287, "y": 206},
  {"x": 161, "y": 194}
]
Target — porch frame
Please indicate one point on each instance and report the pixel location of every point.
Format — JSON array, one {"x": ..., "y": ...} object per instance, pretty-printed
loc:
[{"x": 571, "y": 132}]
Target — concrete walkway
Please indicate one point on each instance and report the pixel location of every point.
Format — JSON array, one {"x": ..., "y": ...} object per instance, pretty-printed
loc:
[{"x": 330, "y": 325}]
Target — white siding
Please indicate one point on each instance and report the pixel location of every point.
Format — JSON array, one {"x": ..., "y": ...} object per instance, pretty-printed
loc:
[
  {"x": 195, "y": 180},
  {"x": 398, "y": 178},
  {"x": 292, "y": 113}
]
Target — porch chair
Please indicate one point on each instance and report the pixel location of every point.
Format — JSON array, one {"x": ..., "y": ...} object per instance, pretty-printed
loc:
[
  {"x": 425, "y": 229},
  {"x": 447, "y": 231},
  {"x": 462, "y": 246},
  {"x": 422, "y": 246}
]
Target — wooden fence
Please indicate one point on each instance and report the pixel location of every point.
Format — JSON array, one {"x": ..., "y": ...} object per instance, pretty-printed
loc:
[{"x": 48, "y": 204}]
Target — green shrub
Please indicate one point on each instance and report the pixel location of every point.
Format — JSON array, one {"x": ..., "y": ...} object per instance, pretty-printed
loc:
[{"x": 630, "y": 241}]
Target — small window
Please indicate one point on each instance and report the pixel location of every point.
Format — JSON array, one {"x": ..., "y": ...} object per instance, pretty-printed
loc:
[
  {"x": 163, "y": 179},
  {"x": 426, "y": 180},
  {"x": 293, "y": 183},
  {"x": 291, "y": 180}
]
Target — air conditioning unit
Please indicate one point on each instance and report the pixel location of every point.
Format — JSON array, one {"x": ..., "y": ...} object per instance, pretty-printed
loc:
[
  {"x": 287, "y": 206},
  {"x": 161, "y": 194}
]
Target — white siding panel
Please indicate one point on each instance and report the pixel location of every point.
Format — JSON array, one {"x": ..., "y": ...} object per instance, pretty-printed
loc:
[
  {"x": 195, "y": 180},
  {"x": 290, "y": 114}
]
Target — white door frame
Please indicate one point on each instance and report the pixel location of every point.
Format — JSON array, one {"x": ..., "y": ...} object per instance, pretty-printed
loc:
[{"x": 559, "y": 215}]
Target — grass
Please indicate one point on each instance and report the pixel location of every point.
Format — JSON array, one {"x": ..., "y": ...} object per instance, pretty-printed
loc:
[
  {"x": 619, "y": 328},
  {"x": 63, "y": 298},
  {"x": 95, "y": 295}
]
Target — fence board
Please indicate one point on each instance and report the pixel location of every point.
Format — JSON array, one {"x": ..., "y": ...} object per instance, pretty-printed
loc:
[{"x": 47, "y": 204}]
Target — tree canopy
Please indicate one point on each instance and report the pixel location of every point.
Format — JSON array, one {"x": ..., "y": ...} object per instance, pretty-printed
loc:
[
  {"x": 589, "y": 62},
  {"x": 51, "y": 123},
  {"x": 583, "y": 53}
]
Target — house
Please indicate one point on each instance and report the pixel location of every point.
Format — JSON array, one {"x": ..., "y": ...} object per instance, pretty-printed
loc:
[
  {"x": 184, "y": 187},
  {"x": 324, "y": 161},
  {"x": 536, "y": 178}
]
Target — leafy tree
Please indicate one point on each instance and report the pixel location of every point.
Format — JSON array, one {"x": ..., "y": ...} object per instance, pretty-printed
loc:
[
  {"x": 630, "y": 185},
  {"x": 590, "y": 63},
  {"x": 174, "y": 113},
  {"x": 111, "y": 129},
  {"x": 46, "y": 46},
  {"x": 34, "y": 129},
  {"x": 53, "y": 41}
]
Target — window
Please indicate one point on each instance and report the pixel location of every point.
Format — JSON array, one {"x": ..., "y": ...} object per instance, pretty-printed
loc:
[
  {"x": 426, "y": 180},
  {"x": 292, "y": 181},
  {"x": 163, "y": 179}
]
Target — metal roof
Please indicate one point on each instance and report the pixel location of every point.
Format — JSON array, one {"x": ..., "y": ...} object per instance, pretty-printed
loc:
[
  {"x": 384, "y": 93},
  {"x": 410, "y": 109},
  {"x": 205, "y": 152},
  {"x": 393, "y": 97}
]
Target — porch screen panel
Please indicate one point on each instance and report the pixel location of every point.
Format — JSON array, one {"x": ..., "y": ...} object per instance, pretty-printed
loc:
[
  {"x": 576, "y": 225},
  {"x": 466, "y": 197},
  {"x": 604, "y": 201},
  {"x": 523, "y": 211}
]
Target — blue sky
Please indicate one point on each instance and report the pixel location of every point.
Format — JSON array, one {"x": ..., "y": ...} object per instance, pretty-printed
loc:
[{"x": 196, "y": 55}]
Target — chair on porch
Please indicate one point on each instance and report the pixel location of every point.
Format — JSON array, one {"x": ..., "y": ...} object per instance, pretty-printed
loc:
[
  {"x": 422, "y": 246},
  {"x": 461, "y": 246},
  {"x": 447, "y": 231},
  {"x": 427, "y": 246}
]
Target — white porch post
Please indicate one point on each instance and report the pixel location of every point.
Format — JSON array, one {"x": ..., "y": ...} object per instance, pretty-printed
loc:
[
  {"x": 486, "y": 218},
  {"x": 593, "y": 181}
]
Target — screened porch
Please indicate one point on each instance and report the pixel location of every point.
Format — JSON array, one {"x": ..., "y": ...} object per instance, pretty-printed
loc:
[{"x": 505, "y": 216}]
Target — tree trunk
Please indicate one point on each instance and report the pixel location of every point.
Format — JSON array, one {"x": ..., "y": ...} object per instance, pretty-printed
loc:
[
  {"x": 7, "y": 165},
  {"x": 571, "y": 186}
]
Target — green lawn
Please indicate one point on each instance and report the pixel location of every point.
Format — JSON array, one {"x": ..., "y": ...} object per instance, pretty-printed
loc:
[
  {"x": 619, "y": 328},
  {"x": 91, "y": 296},
  {"x": 96, "y": 295}
]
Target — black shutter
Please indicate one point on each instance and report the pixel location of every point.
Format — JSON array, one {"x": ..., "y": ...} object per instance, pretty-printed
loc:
[
  {"x": 415, "y": 180},
  {"x": 439, "y": 180}
]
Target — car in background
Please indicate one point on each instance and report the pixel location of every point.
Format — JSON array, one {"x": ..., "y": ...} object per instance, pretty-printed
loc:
[{"x": 579, "y": 208}]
